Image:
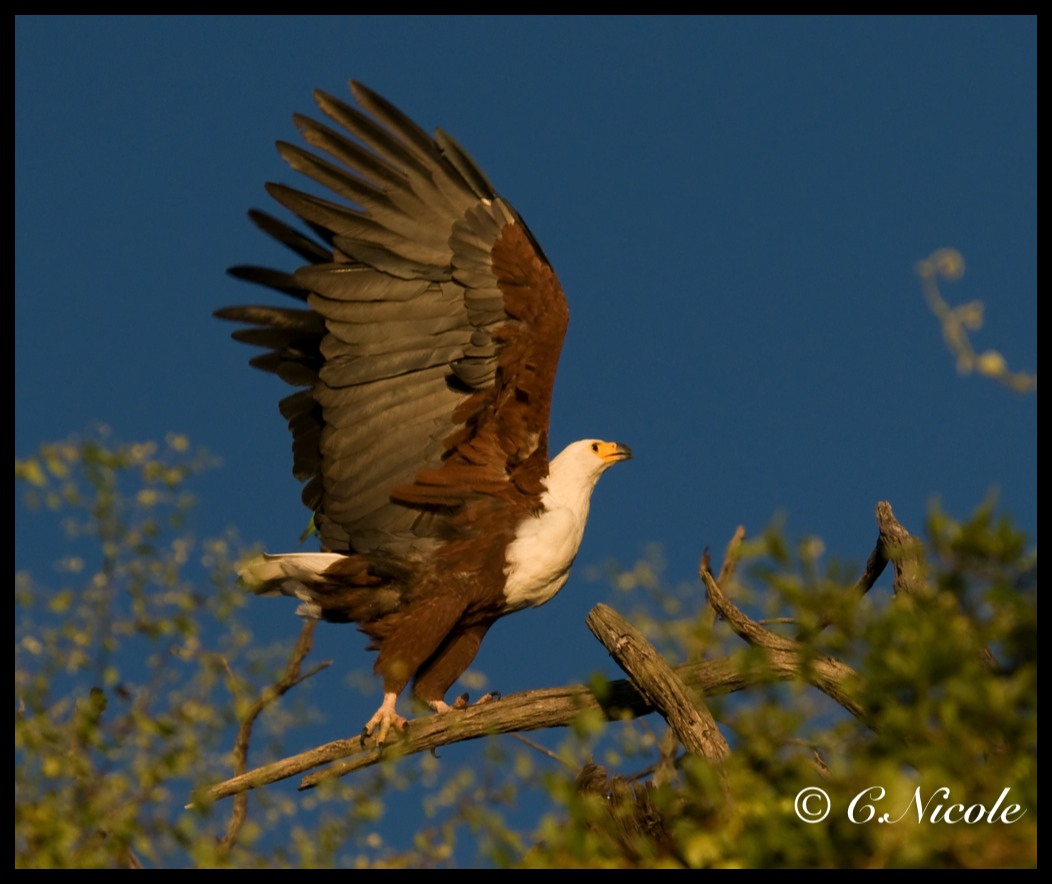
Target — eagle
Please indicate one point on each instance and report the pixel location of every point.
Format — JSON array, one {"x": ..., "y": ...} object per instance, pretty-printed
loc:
[{"x": 424, "y": 347}]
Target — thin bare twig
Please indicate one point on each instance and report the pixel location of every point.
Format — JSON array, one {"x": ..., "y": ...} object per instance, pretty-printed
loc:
[
  {"x": 537, "y": 747},
  {"x": 288, "y": 680}
]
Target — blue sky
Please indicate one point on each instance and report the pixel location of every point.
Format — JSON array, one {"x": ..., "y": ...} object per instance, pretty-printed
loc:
[{"x": 734, "y": 207}]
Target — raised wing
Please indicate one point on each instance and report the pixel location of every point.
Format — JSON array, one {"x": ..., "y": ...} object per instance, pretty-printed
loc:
[{"x": 429, "y": 337}]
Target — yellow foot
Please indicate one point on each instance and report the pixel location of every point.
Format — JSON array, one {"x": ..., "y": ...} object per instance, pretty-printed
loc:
[
  {"x": 385, "y": 718},
  {"x": 462, "y": 702}
]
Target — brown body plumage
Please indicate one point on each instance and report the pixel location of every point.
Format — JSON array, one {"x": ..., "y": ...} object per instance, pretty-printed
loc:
[{"x": 426, "y": 349}]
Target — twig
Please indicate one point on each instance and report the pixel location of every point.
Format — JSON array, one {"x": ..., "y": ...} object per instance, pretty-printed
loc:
[
  {"x": 289, "y": 679},
  {"x": 537, "y": 747},
  {"x": 731, "y": 557}
]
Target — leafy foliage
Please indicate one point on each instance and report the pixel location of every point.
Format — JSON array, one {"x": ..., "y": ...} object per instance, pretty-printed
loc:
[{"x": 135, "y": 669}]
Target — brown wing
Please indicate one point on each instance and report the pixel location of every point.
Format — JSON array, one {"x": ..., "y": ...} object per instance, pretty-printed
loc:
[{"x": 430, "y": 338}]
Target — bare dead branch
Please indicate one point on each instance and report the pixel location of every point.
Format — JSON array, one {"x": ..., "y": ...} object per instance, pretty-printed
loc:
[
  {"x": 875, "y": 565},
  {"x": 731, "y": 557},
  {"x": 888, "y": 538},
  {"x": 786, "y": 656},
  {"x": 525, "y": 711},
  {"x": 904, "y": 552},
  {"x": 907, "y": 555},
  {"x": 659, "y": 684},
  {"x": 660, "y": 687}
]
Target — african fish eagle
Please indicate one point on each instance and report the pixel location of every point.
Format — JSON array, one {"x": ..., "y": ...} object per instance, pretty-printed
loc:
[{"x": 426, "y": 348}]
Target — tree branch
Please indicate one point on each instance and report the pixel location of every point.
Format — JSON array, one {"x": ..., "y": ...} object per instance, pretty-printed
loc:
[
  {"x": 907, "y": 555},
  {"x": 904, "y": 552},
  {"x": 653, "y": 685},
  {"x": 659, "y": 684},
  {"x": 525, "y": 711},
  {"x": 787, "y": 657}
]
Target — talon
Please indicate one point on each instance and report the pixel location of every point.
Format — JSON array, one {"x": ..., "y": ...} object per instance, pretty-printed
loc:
[
  {"x": 439, "y": 706},
  {"x": 385, "y": 718},
  {"x": 461, "y": 702}
]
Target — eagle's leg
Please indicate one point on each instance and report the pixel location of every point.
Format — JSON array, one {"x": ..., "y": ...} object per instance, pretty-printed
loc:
[
  {"x": 408, "y": 643},
  {"x": 385, "y": 718},
  {"x": 445, "y": 666}
]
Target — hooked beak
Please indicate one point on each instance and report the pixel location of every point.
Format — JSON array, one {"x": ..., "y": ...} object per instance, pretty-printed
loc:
[{"x": 612, "y": 452}]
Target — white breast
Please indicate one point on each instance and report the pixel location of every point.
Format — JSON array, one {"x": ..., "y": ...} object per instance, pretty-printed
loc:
[{"x": 539, "y": 559}]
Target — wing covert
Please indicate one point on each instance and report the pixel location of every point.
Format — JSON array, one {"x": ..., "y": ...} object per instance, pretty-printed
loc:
[{"x": 428, "y": 350}]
